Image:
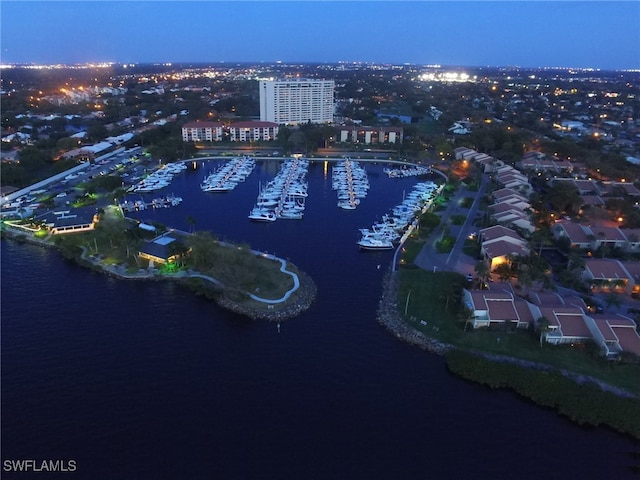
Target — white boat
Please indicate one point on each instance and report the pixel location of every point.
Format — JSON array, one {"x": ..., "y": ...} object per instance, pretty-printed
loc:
[
  {"x": 290, "y": 215},
  {"x": 262, "y": 215},
  {"x": 375, "y": 243}
]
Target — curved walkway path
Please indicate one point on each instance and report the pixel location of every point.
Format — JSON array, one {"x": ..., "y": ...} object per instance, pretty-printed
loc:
[
  {"x": 119, "y": 271},
  {"x": 285, "y": 297}
]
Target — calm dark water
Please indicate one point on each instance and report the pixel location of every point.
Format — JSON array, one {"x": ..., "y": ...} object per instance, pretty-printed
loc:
[{"x": 145, "y": 381}]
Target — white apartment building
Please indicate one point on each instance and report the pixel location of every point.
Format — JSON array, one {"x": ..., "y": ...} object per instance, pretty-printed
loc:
[
  {"x": 368, "y": 135},
  {"x": 252, "y": 131},
  {"x": 295, "y": 101},
  {"x": 202, "y": 132}
]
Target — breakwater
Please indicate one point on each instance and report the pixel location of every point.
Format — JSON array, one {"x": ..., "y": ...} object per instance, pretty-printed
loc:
[
  {"x": 297, "y": 304},
  {"x": 389, "y": 317}
]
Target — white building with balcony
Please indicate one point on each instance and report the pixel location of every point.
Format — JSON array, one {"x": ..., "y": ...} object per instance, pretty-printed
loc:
[
  {"x": 253, "y": 131},
  {"x": 202, "y": 132},
  {"x": 297, "y": 101}
]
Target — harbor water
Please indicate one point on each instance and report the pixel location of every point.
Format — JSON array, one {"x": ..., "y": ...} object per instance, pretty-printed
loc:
[{"x": 144, "y": 380}]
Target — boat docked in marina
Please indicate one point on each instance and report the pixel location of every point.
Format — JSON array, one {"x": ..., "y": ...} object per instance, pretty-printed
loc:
[
  {"x": 350, "y": 181},
  {"x": 226, "y": 177},
  {"x": 284, "y": 196},
  {"x": 407, "y": 172},
  {"x": 258, "y": 214},
  {"x": 391, "y": 227},
  {"x": 159, "y": 179},
  {"x": 375, "y": 243}
]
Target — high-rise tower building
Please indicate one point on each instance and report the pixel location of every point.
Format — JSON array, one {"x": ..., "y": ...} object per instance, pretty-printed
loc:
[{"x": 295, "y": 101}]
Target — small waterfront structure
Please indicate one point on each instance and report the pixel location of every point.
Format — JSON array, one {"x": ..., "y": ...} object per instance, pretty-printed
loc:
[
  {"x": 69, "y": 221},
  {"x": 161, "y": 249}
]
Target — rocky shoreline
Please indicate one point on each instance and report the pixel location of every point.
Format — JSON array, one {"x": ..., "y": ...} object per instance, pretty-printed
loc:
[
  {"x": 304, "y": 297},
  {"x": 390, "y": 318}
]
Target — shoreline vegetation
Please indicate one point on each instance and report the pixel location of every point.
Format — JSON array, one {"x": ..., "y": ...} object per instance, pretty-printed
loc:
[
  {"x": 584, "y": 399},
  {"x": 231, "y": 298}
]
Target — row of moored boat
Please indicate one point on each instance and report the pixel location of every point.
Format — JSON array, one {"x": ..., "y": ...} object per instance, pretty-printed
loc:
[
  {"x": 284, "y": 196},
  {"x": 384, "y": 234},
  {"x": 229, "y": 175},
  {"x": 350, "y": 181},
  {"x": 161, "y": 178},
  {"x": 161, "y": 202},
  {"x": 407, "y": 172}
]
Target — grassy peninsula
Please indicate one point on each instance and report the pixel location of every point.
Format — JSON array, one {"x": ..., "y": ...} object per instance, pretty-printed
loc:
[{"x": 236, "y": 277}]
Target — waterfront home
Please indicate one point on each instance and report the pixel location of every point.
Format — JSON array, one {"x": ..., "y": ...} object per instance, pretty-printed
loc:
[
  {"x": 614, "y": 333},
  {"x": 491, "y": 308},
  {"x": 566, "y": 325}
]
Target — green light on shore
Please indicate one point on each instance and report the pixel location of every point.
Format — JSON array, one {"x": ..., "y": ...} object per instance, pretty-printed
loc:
[{"x": 170, "y": 267}]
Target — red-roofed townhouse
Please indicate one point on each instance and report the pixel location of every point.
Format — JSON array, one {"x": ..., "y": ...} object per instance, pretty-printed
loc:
[
  {"x": 579, "y": 236},
  {"x": 501, "y": 251},
  {"x": 615, "y": 333},
  {"x": 498, "y": 308},
  {"x": 610, "y": 237},
  {"x": 634, "y": 270},
  {"x": 591, "y": 201},
  {"x": 505, "y": 214},
  {"x": 566, "y": 325},
  {"x": 487, "y": 163},
  {"x": 461, "y": 151},
  {"x": 608, "y": 275},
  {"x": 511, "y": 196},
  {"x": 633, "y": 239}
]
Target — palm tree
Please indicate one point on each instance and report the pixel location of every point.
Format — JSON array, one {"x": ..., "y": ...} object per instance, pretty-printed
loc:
[
  {"x": 543, "y": 326},
  {"x": 524, "y": 278},
  {"x": 482, "y": 271},
  {"x": 191, "y": 221},
  {"x": 503, "y": 271},
  {"x": 465, "y": 315},
  {"x": 452, "y": 292}
]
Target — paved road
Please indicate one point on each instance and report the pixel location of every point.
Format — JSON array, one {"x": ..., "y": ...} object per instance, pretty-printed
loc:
[{"x": 429, "y": 258}]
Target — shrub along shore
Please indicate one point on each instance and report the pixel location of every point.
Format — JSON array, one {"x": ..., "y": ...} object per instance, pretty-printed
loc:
[{"x": 583, "y": 399}]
